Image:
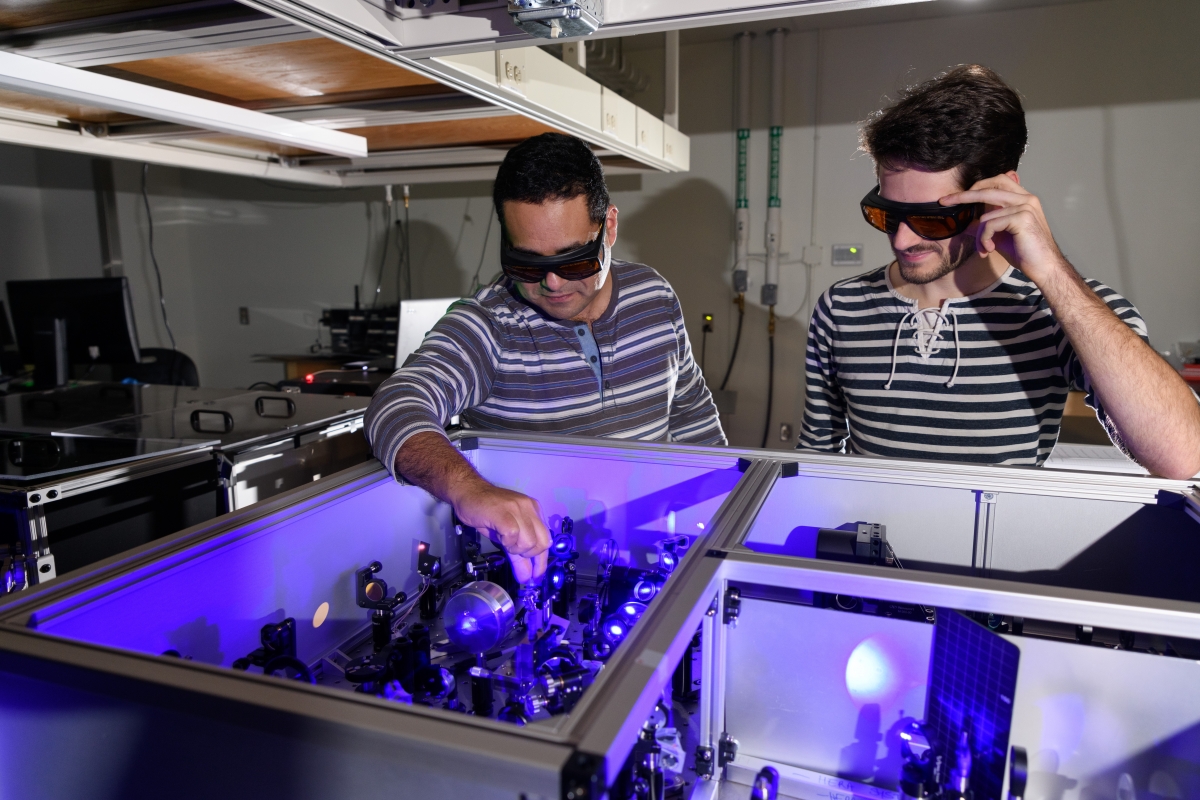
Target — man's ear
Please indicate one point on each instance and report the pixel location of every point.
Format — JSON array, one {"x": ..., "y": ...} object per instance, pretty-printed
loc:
[
  {"x": 1012, "y": 173},
  {"x": 611, "y": 223}
]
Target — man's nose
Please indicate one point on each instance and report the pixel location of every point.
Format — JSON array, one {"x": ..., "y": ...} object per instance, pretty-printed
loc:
[
  {"x": 904, "y": 237},
  {"x": 553, "y": 282}
]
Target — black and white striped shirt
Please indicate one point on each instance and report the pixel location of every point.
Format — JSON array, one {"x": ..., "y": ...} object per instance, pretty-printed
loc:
[
  {"x": 504, "y": 365},
  {"x": 983, "y": 379}
]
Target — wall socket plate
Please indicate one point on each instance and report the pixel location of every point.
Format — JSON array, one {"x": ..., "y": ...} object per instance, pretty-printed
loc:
[
  {"x": 847, "y": 255},
  {"x": 510, "y": 70},
  {"x": 813, "y": 255}
]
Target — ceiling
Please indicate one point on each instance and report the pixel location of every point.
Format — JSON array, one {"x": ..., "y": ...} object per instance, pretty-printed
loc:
[{"x": 225, "y": 52}]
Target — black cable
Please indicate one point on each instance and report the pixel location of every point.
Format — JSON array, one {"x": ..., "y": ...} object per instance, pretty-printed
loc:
[
  {"x": 387, "y": 237},
  {"x": 401, "y": 242},
  {"x": 162, "y": 300},
  {"x": 407, "y": 254},
  {"x": 475, "y": 285},
  {"x": 770, "y": 386},
  {"x": 272, "y": 386},
  {"x": 703, "y": 348},
  {"x": 737, "y": 339}
]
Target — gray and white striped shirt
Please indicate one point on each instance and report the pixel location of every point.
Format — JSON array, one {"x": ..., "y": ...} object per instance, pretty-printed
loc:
[
  {"x": 502, "y": 364},
  {"x": 983, "y": 379}
]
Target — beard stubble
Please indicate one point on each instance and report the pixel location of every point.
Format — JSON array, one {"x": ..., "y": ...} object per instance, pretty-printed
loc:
[{"x": 955, "y": 255}]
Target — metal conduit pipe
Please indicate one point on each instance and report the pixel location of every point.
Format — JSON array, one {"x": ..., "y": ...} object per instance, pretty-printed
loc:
[
  {"x": 770, "y": 289},
  {"x": 742, "y": 212},
  {"x": 741, "y": 249}
]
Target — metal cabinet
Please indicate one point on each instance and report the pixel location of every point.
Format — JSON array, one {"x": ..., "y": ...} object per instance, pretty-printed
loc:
[
  {"x": 760, "y": 656},
  {"x": 87, "y": 403},
  {"x": 96, "y": 469},
  {"x": 68, "y": 501},
  {"x": 124, "y": 670},
  {"x": 1113, "y": 532},
  {"x": 267, "y": 442},
  {"x": 818, "y": 670}
]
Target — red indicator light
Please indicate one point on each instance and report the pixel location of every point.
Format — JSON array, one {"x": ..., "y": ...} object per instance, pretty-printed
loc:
[{"x": 308, "y": 378}]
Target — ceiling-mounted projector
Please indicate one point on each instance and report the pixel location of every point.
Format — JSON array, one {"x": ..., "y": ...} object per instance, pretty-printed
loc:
[{"x": 554, "y": 19}]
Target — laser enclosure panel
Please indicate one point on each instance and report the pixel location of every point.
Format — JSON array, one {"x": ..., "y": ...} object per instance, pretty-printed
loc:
[
  {"x": 209, "y": 600},
  {"x": 1128, "y": 534}
]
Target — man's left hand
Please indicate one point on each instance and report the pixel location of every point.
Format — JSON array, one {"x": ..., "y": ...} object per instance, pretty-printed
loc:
[{"x": 1015, "y": 226}]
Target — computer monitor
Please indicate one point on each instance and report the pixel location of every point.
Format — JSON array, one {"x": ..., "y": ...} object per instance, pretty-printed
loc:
[
  {"x": 6, "y": 335},
  {"x": 73, "y": 321},
  {"x": 417, "y": 318}
]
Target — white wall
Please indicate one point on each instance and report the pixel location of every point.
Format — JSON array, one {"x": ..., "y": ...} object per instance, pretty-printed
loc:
[
  {"x": 1112, "y": 93},
  {"x": 1112, "y": 90}
]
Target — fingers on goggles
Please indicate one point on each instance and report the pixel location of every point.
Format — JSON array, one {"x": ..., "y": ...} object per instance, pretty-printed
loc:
[{"x": 927, "y": 220}]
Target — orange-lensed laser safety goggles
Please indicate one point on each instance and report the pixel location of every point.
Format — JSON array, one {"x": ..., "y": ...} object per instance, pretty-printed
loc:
[
  {"x": 573, "y": 265},
  {"x": 927, "y": 220}
]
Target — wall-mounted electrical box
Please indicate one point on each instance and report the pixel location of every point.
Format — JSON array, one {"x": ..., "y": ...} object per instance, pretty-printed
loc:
[{"x": 847, "y": 255}]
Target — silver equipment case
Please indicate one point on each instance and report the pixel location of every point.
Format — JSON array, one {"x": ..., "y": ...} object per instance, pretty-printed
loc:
[{"x": 125, "y": 671}]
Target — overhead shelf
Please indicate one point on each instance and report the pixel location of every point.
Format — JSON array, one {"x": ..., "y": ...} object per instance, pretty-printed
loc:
[{"x": 449, "y": 119}]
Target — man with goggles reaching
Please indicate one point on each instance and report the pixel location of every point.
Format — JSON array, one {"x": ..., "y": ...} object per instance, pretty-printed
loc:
[
  {"x": 572, "y": 341},
  {"x": 964, "y": 347}
]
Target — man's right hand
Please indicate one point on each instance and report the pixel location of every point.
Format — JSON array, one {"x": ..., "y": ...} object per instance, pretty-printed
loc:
[{"x": 511, "y": 520}]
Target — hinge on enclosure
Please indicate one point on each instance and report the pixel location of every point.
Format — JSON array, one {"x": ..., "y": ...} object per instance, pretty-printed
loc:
[
  {"x": 733, "y": 606},
  {"x": 727, "y": 749},
  {"x": 704, "y": 761}
]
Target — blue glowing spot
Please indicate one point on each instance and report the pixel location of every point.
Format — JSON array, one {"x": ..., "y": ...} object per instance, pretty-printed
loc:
[
  {"x": 871, "y": 675},
  {"x": 467, "y": 623},
  {"x": 556, "y": 578},
  {"x": 616, "y": 630},
  {"x": 632, "y": 612},
  {"x": 700, "y": 525}
]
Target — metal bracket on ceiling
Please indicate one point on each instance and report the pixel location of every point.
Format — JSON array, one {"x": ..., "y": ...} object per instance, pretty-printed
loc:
[{"x": 557, "y": 19}]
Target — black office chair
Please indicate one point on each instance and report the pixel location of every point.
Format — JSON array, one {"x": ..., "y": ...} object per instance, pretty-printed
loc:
[{"x": 162, "y": 366}]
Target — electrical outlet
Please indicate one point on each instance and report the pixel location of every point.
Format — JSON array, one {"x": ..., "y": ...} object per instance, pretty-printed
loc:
[
  {"x": 813, "y": 255},
  {"x": 785, "y": 431},
  {"x": 244, "y": 315},
  {"x": 510, "y": 70}
]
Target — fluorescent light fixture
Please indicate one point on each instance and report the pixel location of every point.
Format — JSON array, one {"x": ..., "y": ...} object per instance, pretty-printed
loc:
[{"x": 79, "y": 86}]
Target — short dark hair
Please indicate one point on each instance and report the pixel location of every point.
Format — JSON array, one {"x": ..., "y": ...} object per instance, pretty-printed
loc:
[
  {"x": 967, "y": 117},
  {"x": 551, "y": 166}
]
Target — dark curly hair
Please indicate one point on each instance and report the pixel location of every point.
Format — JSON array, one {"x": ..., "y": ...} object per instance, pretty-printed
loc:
[
  {"x": 967, "y": 117},
  {"x": 552, "y": 166}
]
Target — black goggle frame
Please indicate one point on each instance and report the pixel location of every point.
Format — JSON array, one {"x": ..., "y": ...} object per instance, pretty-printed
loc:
[
  {"x": 931, "y": 221},
  {"x": 574, "y": 265}
]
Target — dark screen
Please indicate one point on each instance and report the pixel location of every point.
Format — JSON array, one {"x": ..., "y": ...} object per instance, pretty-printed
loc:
[{"x": 98, "y": 311}]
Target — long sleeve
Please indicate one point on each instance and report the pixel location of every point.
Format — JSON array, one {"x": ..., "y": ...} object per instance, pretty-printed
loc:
[
  {"x": 824, "y": 425},
  {"x": 452, "y": 370},
  {"x": 693, "y": 415}
]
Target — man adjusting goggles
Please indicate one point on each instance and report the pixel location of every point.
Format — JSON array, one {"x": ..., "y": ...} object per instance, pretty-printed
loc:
[{"x": 964, "y": 346}]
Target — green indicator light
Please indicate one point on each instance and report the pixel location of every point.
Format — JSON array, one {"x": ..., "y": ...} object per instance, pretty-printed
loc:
[{"x": 853, "y": 249}]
